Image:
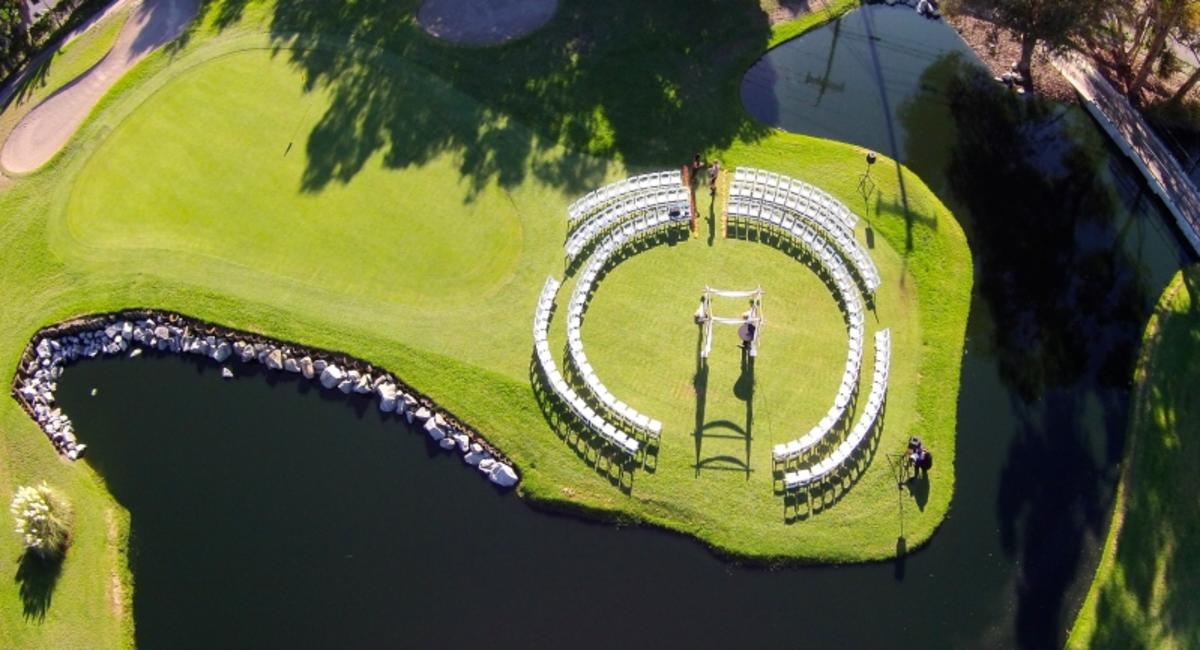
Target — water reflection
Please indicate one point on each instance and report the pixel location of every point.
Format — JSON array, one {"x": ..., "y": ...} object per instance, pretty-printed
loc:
[
  {"x": 1070, "y": 254},
  {"x": 352, "y": 532}
]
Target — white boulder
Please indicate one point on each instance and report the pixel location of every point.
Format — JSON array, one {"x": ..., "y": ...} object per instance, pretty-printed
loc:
[
  {"x": 331, "y": 376},
  {"x": 362, "y": 385},
  {"x": 503, "y": 475},
  {"x": 387, "y": 397},
  {"x": 434, "y": 431}
]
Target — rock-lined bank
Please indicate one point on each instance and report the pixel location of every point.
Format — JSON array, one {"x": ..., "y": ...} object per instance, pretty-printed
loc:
[{"x": 54, "y": 348}]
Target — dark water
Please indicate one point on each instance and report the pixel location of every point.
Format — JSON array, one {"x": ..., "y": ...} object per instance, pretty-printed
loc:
[
  {"x": 266, "y": 513},
  {"x": 1070, "y": 253}
]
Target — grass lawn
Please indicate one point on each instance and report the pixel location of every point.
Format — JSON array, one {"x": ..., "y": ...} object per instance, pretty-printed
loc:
[
  {"x": 67, "y": 63},
  {"x": 406, "y": 209},
  {"x": 1143, "y": 595}
]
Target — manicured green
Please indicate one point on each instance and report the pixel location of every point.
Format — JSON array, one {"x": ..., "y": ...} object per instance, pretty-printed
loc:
[
  {"x": 1143, "y": 594},
  {"x": 65, "y": 65},
  {"x": 412, "y": 221}
]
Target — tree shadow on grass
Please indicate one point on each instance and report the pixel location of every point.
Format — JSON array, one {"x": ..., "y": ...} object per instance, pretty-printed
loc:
[
  {"x": 1149, "y": 597},
  {"x": 646, "y": 83},
  {"x": 36, "y": 579}
]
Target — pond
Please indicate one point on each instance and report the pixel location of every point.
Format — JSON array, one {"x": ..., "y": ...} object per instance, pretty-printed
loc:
[{"x": 266, "y": 512}]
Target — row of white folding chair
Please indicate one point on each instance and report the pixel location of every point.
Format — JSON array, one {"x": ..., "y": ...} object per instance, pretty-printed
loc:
[
  {"x": 868, "y": 419},
  {"x": 660, "y": 200},
  {"x": 814, "y": 241},
  {"x": 777, "y": 216},
  {"x": 784, "y": 218},
  {"x": 772, "y": 181},
  {"x": 541, "y": 317},
  {"x": 849, "y": 384},
  {"x": 593, "y": 420},
  {"x": 546, "y": 360},
  {"x": 642, "y": 226},
  {"x": 598, "y": 198},
  {"x": 807, "y": 202},
  {"x": 806, "y": 191},
  {"x": 629, "y": 415}
]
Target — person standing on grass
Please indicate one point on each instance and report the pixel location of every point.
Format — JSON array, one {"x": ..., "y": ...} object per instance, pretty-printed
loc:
[
  {"x": 697, "y": 167},
  {"x": 712, "y": 177}
]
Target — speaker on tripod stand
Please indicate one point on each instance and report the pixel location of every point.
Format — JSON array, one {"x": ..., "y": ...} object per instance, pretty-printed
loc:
[{"x": 865, "y": 184}]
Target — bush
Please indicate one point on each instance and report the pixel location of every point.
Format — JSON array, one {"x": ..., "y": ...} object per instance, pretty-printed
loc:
[{"x": 43, "y": 519}]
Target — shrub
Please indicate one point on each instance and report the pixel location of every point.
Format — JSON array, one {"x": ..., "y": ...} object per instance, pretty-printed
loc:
[{"x": 43, "y": 519}]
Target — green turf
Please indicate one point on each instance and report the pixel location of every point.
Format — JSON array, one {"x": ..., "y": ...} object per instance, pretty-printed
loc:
[
  {"x": 65, "y": 65},
  {"x": 412, "y": 222},
  {"x": 1143, "y": 594}
]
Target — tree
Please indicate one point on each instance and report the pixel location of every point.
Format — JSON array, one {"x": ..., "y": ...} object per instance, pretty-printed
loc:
[
  {"x": 1190, "y": 39},
  {"x": 1164, "y": 17},
  {"x": 43, "y": 519},
  {"x": 1054, "y": 23},
  {"x": 13, "y": 37}
]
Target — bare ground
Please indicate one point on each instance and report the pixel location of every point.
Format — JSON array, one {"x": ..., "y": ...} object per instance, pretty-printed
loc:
[
  {"x": 781, "y": 11},
  {"x": 999, "y": 50}
]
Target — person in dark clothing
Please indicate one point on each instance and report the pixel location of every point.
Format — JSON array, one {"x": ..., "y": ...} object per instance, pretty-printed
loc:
[{"x": 696, "y": 168}]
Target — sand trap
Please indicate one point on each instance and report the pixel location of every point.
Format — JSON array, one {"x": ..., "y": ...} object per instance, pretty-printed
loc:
[
  {"x": 483, "y": 22},
  {"x": 46, "y": 129}
]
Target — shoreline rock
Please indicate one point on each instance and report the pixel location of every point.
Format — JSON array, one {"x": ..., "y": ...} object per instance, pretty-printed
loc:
[{"x": 54, "y": 348}]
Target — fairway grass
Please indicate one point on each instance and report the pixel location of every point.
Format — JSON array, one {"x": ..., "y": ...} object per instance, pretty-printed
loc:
[
  {"x": 1143, "y": 594},
  {"x": 210, "y": 183}
]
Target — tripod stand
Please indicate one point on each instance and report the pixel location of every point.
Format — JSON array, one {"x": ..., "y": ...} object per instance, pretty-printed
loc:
[
  {"x": 897, "y": 463},
  {"x": 866, "y": 185}
]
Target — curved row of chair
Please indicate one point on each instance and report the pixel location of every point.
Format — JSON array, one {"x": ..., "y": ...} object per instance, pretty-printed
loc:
[
  {"x": 802, "y": 191},
  {"x": 670, "y": 201},
  {"x": 597, "y": 199},
  {"x": 808, "y": 238},
  {"x": 644, "y": 226},
  {"x": 866, "y": 422},
  {"x": 775, "y": 207},
  {"x": 578, "y": 406}
]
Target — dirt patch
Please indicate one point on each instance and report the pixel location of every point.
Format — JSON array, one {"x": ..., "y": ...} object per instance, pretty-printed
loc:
[
  {"x": 781, "y": 11},
  {"x": 483, "y": 22},
  {"x": 1000, "y": 50},
  {"x": 116, "y": 591}
]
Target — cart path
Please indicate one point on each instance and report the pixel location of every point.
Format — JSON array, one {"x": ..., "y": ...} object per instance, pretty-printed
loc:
[{"x": 44, "y": 131}]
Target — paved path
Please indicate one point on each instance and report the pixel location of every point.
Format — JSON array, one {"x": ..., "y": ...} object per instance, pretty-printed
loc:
[
  {"x": 1131, "y": 132},
  {"x": 46, "y": 129}
]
